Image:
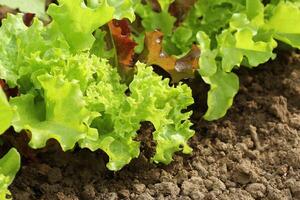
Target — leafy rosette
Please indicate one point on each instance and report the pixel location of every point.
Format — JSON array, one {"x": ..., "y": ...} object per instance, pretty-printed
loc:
[
  {"x": 150, "y": 99},
  {"x": 51, "y": 82},
  {"x": 79, "y": 98},
  {"x": 244, "y": 33},
  {"x": 230, "y": 33},
  {"x": 163, "y": 105}
]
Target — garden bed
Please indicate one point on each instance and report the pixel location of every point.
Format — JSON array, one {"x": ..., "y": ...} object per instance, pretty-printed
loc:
[{"x": 252, "y": 153}]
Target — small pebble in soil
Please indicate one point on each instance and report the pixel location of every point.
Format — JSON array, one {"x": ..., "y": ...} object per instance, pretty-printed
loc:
[
  {"x": 167, "y": 188},
  {"x": 257, "y": 190},
  {"x": 88, "y": 192},
  {"x": 124, "y": 194},
  {"x": 139, "y": 188},
  {"x": 145, "y": 196},
  {"x": 199, "y": 167},
  {"x": 193, "y": 185}
]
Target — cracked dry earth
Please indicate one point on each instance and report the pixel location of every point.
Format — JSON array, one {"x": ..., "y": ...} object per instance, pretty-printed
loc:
[{"x": 252, "y": 153}]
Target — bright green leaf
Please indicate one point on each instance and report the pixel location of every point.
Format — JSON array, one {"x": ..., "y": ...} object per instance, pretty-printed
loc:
[
  {"x": 255, "y": 12},
  {"x": 9, "y": 166},
  {"x": 223, "y": 87},
  {"x": 21, "y": 55},
  {"x": 77, "y": 21},
  {"x": 124, "y": 9},
  {"x": 9, "y": 31},
  {"x": 151, "y": 99},
  {"x": 140, "y": 40},
  {"x": 100, "y": 46},
  {"x": 234, "y": 47},
  {"x": 152, "y": 21},
  {"x": 181, "y": 37},
  {"x": 61, "y": 116},
  {"x": 207, "y": 60},
  {"x": 162, "y": 105},
  {"x": 6, "y": 113},
  {"x": 285, "y": 21},
  {"x": 164, "y": 4},
  {"x": 118, "y": 123}
]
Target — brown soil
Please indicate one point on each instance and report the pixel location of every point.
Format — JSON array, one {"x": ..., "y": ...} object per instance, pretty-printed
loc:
[{"x": 253, "y": 153}]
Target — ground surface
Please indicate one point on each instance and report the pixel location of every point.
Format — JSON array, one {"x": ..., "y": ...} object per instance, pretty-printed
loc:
[{"x": 253, "y": 153}]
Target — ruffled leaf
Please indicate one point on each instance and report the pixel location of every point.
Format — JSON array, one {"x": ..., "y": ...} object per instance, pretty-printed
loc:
[
  {"x": 118, "y": 123},
  {"x": 223, "y": 87},
  {"x": 151, "y": 99},
  {"x": 234, "y": 47},
  {"x": 22, "y": 49},
  {"x": 124, "y": 9},
  {"x": 61, "y": 115},
  {"x": 162, "y": 105},
  {"x": 77, "y": 21},
  {"x": 11, "y": 28}
]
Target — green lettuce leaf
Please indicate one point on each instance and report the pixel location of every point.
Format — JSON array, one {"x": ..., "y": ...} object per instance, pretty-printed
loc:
[
  {"x": 207, "y": 60},
  {"x": 180, "y": 41},
  {"x": 152, "y": 20},
  {"x": 22, "y": 49},
  {"x": 24, "y": 61},
  {"x": 162, "y": 105},
  {"x": 239, "y": 43},
  {"x": 77, "y": 22},
  {"x": 118, "y": 123},
  {"x": 6, "y": 113},
  {"x": 208, "y": 16},
  {"x": 284, "y": 21},
  {"x": 100, "y": 47},
  {"x": 123, "y": 8},
  {"x": 150, "y": 99},
  {"x": 164, "y": 4},
  {"x": 11, "y": 28},
  {"x": 9, "y": 166},
  {"x": 61, "y": 115},
  {"x": 223, "y": 87},
  {"x": 233, "y": 32}
]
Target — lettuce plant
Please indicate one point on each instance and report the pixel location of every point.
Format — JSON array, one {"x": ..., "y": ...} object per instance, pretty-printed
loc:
[
  {"x": 252, "y": 32},
  {"x": 230, "y": 33},
  {"x": 69, "y": 95},
  {"x": 79, "y": 98}
]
